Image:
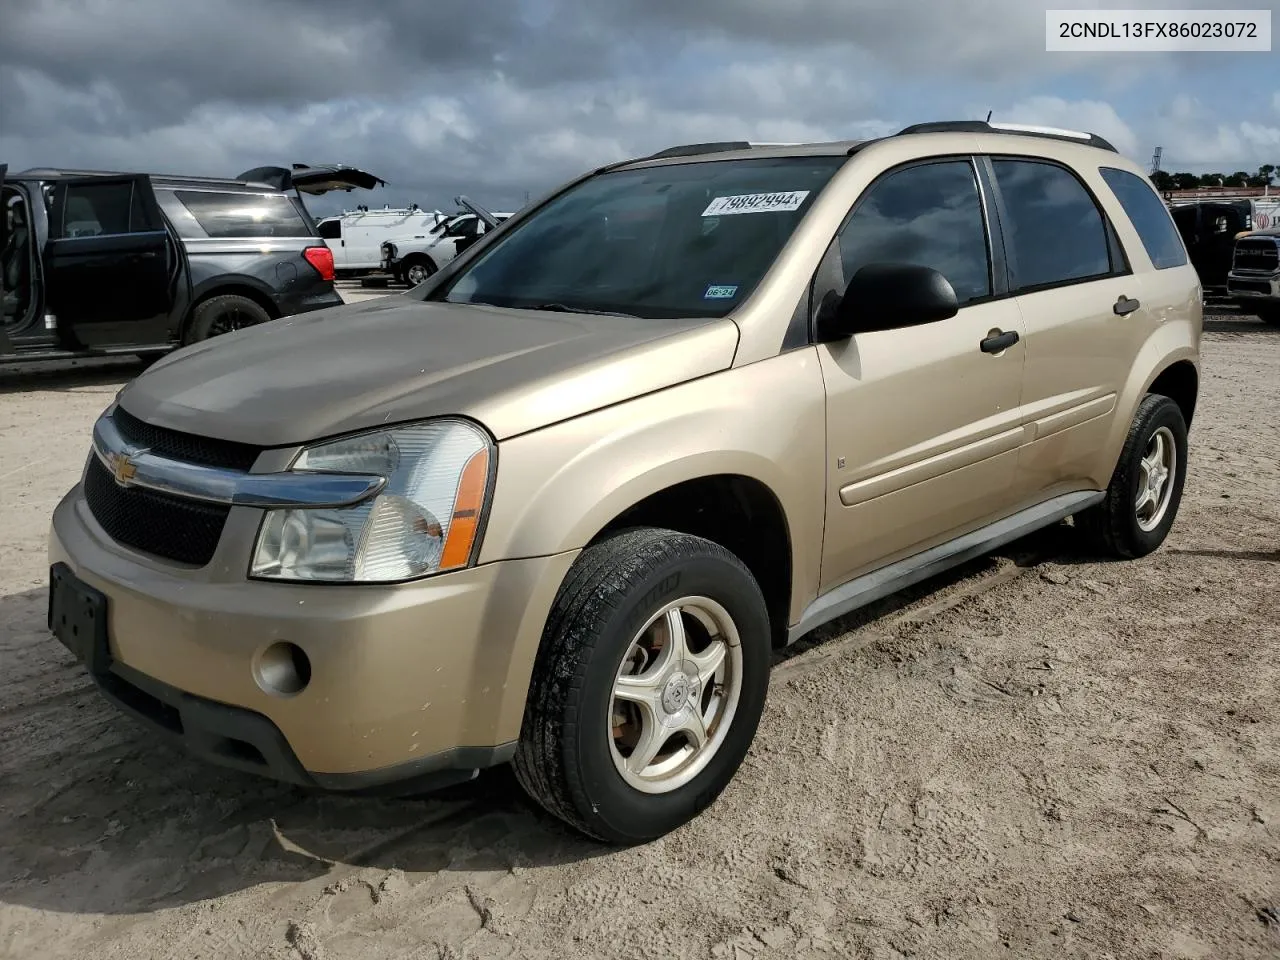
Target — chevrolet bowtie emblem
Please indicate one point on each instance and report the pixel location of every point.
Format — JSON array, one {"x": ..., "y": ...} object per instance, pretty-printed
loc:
[{"x": 122, "y": 468}]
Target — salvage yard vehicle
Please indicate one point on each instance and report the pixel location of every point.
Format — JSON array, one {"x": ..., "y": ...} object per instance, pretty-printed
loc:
[
  {"x": 98, "y": 264},
  {"x": 412, "y": 260},
  {"x": 1209, "y": 229},
  {"x": 558, "y": 504},
  {"x": 1254, "y": 280},
  {"x": 357, "y": 236}
]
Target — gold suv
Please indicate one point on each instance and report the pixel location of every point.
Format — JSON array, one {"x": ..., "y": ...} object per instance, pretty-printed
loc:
[{"x": 558, "y": 504}]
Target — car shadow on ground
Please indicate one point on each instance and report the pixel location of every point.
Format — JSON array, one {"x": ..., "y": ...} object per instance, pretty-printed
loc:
[
  {"x": 1236, "y": 324},
  {"x": 101, "y": 817},
  {"x": 1256, "y": 555},
  {"x": 63, "y": 375}
]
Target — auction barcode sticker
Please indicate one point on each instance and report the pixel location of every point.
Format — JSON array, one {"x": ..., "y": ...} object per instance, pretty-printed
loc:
[
  {"x": 755, "y": 203},
  {"x": 1154, "y": 31}
]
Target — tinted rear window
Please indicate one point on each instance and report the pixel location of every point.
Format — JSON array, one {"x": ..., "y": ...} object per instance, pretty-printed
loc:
[
  {"x": 1149, "y": 216},
  {"x": 230, "y": 215}
]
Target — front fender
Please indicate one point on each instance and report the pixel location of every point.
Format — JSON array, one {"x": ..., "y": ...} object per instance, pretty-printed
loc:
[{"x": 558, "y": 487}]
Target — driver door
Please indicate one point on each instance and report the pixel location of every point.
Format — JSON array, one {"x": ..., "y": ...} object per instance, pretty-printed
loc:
[
  {"x": 109, "y": 262},
  {"x": 5, "y": 345}
]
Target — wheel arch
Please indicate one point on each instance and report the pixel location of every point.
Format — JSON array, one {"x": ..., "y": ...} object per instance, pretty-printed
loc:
[
  {"x": 1167, "y": 364},
  {"x": 1180, "y": 382},
  {"x": 740, "y": 513},
  {"x": 416, "y": 256},
  {"x": 241, "y": 288}
]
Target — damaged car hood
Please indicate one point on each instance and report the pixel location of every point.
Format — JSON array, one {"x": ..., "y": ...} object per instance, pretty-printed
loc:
[{"x": 398, "y": 359}]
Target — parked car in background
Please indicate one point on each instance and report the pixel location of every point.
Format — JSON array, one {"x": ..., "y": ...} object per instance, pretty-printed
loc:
[
  {"x": 558, "y": 504},
  {"x": 95, "y": 263},
  {"x": 412, "y": 260},
  {"x": 1209, "y": 229},
  {"x": 356, "y": 237},
  {"x": 1254, "y": 281}
]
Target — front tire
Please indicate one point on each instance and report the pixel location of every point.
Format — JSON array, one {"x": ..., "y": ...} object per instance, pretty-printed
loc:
[
  {"x": 648, "y": 687},
  {"x": 416, "y": 270},
  {"x": 1146, "y": 488}
]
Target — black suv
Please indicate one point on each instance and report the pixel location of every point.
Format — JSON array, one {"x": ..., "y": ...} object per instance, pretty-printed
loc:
[{"x": 96, "y": 264}]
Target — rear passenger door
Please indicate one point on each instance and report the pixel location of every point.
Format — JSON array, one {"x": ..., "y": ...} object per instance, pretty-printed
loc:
[
  {"x": 923, "y": 424},
  {"x": 108, "y": 262},
  {"x": 1084, "y": 317}
]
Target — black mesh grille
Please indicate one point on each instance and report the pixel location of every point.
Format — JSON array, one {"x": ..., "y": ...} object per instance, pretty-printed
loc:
[
  {"x": 186, "y": 531},
  {"x": 1257, "y": 255},
  {"x": 184, "y": 446}
]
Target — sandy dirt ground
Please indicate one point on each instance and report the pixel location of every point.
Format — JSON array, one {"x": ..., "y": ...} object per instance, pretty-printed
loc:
[{"x": 1039, "y": 756}]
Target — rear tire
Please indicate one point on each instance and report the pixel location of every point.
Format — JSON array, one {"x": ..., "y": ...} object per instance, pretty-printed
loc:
[
  {"x": 224, "y": 314},
  {"x": 1146, "y": 488},
  {"x": 626, "y": 768}
]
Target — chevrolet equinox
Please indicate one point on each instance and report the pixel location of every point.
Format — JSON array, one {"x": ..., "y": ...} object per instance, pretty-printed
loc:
[{"x": 557, "y": 505}]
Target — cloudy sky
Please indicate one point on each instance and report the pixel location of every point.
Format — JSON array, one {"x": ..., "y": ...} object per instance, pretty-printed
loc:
[{"x": 498, "y": 97}]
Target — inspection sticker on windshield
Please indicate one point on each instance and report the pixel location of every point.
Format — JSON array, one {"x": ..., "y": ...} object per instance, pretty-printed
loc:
[
  {"x": 756, "y": 203},
  {"x": 721, "y": 291}
]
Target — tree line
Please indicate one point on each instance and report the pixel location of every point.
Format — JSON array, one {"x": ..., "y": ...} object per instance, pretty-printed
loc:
[{"x": 1189, "y": 181}]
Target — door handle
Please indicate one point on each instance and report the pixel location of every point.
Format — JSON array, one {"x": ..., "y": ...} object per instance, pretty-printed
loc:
[
  {"x": 1125, "y": 306},
  {"x": 999, "y": 342}
]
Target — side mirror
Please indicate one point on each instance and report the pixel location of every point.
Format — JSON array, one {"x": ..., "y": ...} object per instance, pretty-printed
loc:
[{"x": 888, "y": 296}]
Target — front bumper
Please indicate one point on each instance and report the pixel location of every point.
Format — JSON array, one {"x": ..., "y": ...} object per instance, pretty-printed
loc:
[
  {"x": 1254, "y": 287},
  {"x": 411, "y": 686}
]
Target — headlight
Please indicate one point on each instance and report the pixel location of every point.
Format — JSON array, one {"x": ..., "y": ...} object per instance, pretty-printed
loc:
[{"x": 425, "y": 520}]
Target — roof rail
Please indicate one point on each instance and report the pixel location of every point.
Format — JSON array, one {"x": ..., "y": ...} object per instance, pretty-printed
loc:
[
  {"x": 56, "y": 173},
  {"x": 1017, "y": 129},
  {"x": 696, "y": 149}
]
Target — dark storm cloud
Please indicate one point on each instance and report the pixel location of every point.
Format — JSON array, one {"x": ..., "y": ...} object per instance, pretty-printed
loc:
[
  {"x": 498, "y": 97},
  {"x": 165, "y": 57}
]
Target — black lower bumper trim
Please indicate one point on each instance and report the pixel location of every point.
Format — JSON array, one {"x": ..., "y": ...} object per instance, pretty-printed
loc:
[{"x": 244, "y": 740}]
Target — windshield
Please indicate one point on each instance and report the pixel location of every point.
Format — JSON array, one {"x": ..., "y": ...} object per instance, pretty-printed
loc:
[{"x": 683, "y": 240}]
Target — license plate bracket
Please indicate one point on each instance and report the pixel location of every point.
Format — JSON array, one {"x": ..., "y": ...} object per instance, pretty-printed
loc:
[{"x": 78, "y": 618}]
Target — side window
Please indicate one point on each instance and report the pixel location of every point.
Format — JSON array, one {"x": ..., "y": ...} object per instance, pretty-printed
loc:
[
  {"x": 1150, "y": 217},
  {"x": 331, "y": 230},
  {"x": 232, "y": 215},
  {"x": 97, "y": 209},
  {"x": 468, "y": 227},
  {"x": 1056, "y": 233},
  {"x": 929, "y": 215}
]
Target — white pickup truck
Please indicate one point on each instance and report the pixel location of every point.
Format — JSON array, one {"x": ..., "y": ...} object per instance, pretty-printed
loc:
[{"x": 412, "y": 259}]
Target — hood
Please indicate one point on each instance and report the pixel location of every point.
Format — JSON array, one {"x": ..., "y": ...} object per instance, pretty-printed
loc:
[
  {"x": 398, "y": 358},
  {"x": 470, "y": 205}
]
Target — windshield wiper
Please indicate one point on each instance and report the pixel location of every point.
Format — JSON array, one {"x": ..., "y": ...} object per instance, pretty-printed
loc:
[{"x": 565, "y": 308}]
